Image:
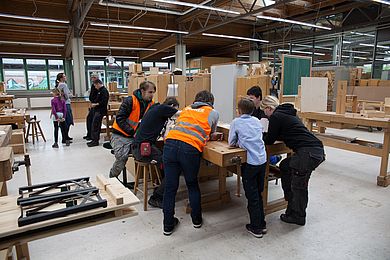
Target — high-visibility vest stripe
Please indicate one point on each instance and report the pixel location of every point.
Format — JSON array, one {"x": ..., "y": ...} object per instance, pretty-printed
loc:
[{"x": 190, "y": 132}]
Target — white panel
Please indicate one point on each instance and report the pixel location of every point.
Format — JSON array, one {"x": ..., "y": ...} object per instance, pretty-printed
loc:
[
  {"x": 20, "y": 103},
  {"x": 40, "y": 102},
  {"x": 223, "y": 87},
  {"x": 314, "y": 94}
]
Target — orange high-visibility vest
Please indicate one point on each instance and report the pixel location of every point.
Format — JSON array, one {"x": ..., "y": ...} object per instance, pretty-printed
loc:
[
  {"x": 192, "y": 127},
  {"x": 134, "y": 116}
]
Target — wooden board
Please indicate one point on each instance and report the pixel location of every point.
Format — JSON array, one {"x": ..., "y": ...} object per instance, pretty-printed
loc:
[
  {"x": 342, "y": 87},
  {"x": 9, "y": 212},
  {"x": 194, "y": 84},
  {"x": 180, "y": 95},
  {"x": 5, "y": 135},
  {"x": 314, "y": 94},
  {"x": 220, "y": 153},
  {"x": 372, "y": 93},
  {"x": 245, "y": 83},
  {"x": 161, "y": 81},
  {"x": 80, "y": 108},
  {"x": 6, "y": 162},
  {"x": 134, "y": 82}
]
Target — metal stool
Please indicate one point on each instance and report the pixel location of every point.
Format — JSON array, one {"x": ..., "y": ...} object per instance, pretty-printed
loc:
[
  {"x": 35, "y": 126},
  {"x": 144, "y": 171}
]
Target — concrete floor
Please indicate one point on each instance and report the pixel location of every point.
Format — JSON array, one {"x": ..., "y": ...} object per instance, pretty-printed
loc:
[{"x": 348, "y": 216}]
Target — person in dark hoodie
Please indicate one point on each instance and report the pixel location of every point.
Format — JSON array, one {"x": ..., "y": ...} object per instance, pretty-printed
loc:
[
  {"x": 148, "y": 132},
  {"x": 284, "y": 125},
  {"x": 182, "y": 153},
  {"x": 126, "y": 123},
  {"x": 91, "y": 98}
]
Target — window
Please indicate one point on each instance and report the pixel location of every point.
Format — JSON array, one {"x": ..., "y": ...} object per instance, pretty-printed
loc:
[
  {"x": 14, "y": 75},
  {"x": 95, "y": 66},
  {"x": 163, "y": 65},
  {"x": 55, "y": 67},
  {"x": 147, "y": 64},
  {"x": 114, "y": 73},
  {"x": 37, "y": 74}
]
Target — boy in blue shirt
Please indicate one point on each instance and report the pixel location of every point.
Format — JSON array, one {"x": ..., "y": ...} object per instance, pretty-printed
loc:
[{"x": 246, "y": 132}]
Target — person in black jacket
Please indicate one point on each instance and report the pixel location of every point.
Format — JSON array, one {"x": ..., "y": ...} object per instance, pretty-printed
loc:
[
  {"x": 284, "y": 125},
  {"x": 91, "y": 98},
  {"x": 99, "y": 107},
  {"x": 126, "y": 122},
  {"x": 149, "y": 131}
]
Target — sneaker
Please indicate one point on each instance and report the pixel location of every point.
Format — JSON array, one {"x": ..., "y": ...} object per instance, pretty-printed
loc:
[
  {"x": 70, "y": 138},
  {"x": 254, "y": 232},
  {"x": 55, "y": 145},
  {"x": 64, "y": 141},
  {"x": 197, "y": 223},
  {"x": 264, "y": 230},
  {"x": 169, "y": 231},
  {"x": 107, "y": 145},
  {"x": 292, "y": 220},
  {"x": 86, "y": 137},
  {"x": 67, "y": 142},
  {"x": 155, "y": 203}
]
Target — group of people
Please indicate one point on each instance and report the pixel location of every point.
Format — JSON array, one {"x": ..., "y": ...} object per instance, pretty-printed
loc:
[{"x": 140, "y": 122}]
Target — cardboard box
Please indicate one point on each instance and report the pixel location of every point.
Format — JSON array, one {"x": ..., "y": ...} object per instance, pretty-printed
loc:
[
  {"x": 153, "y": 70},
  {"x": 135, "y": 68},
  {"x": 161, "y": 81},
  {"x": 195, "y": 84},
  {"x": 134, "y": 82}
]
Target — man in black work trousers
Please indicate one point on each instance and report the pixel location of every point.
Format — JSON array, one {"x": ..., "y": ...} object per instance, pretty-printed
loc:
[
  {"x": 148, "y": 132},
  {"x": 99, "y": 107},
  {"x": 91, "y": 98}
]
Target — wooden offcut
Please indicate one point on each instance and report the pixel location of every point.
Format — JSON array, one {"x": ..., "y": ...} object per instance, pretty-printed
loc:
[
  {"x": 341, "y": 96},
  {"x": 6, "y": 163}
]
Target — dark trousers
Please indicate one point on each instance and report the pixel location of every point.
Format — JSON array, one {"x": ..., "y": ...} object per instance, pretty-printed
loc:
[
  {"x": 296, "y": 171},
  {"x": 68, "y": 118},
  {"x": 61, "y": 125},
  {"x": 180, "y": 157},
  {"x": 89, "y": 122},
  {"x": 156, "y": 155},
  {"x": 96, "y": 126},
  {"x": 253, "y": 182}
]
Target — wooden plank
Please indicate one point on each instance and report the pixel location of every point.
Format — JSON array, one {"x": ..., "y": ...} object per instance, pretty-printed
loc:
[
  {"x": 276, "y": 205},
  {"x": 102, "y": 181},
  {"x": 314, "y": 94},
  {"x": 6, "y": 162},
  {"x": 115, "y": 194},
  {"x": 342, "y": 87},
  {"x": 5, "y": 135},
  {"x": 221, "y": 154}
]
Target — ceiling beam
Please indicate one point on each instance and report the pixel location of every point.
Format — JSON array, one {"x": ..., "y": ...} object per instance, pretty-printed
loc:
[
  {"x": 84, "y": 13},
  {"x": 230, "y": 20},
  {"x": 164, "y": 44}
]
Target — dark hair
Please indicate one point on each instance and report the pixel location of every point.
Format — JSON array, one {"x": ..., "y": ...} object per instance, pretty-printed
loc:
[
  {"x": 147, "y": 84},
  {"x": 169, "y": 101},
  {"x": 205, "y": 96},
  {"x": 255, "y": 91},
  {"x": 246, "y": 106},
  {"x": 59, "y": 77},
  {"x": 97, "y": 81}
]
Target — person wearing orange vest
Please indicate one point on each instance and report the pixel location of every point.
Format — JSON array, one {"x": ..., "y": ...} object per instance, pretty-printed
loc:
[
  {"x": 126, "y": 123},
  {"x": 182, "y": 153}
]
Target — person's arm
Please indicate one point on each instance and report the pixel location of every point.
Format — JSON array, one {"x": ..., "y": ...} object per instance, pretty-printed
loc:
[
  {"x": 92, "y": 93},
  {"x": 167, "y": 111},
  {"x": 233, "y": 138},
  {"x": 123, "y": 115},
  {"x": 273, "y": 130},
  {"x": 64, "y": 107},
  {"x": 53, "y": 109},
  {"x": 213, "y": 120}
]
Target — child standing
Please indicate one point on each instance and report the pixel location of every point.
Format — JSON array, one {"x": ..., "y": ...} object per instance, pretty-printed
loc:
[
  {"x": 246, "y": 132},
  {"x": 58, "y": 113}
]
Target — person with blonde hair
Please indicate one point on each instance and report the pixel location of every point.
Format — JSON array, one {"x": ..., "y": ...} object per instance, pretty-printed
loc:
[{"x": 284, "y": 125}]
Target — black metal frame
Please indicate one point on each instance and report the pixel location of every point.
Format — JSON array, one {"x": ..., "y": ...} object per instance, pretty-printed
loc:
[{"x": 33, "y": 202}]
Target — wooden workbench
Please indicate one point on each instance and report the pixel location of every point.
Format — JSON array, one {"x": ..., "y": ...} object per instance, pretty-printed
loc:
[
  {"x": 5, "y": 137},
  {"x": 343, "y": 121},
  {"x": 6, "y": 101},
  {"x": 12, "y": 235},
  {"x": 80, "y": 108},
  {"x": 16, "y": 117}
]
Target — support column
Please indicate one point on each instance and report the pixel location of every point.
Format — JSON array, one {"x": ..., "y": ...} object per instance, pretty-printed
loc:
[
  {"x": 78, "y": 67},
  {"x": 180, "y": 55}
]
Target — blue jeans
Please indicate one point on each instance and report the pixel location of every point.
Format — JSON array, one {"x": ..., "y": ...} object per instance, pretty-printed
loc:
[
  {"x": 180, "y": 157},
  {"x": 253, "y": 182}
]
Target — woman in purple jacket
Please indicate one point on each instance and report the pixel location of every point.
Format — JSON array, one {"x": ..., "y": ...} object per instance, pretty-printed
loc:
[{"x": 58, "y": 113}]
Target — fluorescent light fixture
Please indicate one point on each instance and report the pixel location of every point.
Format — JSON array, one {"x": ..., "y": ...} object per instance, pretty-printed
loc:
[
  {"x": 33, "y": 18},
  {"x": 292, "y": 21},
  {"x": 360, "y": 58},
  {"x": 118, "y": 48},
  {"x": 172, "y": 56},
  {"x": 372, "y": 45},
  {"x": 207, "y": 7},
  {"x": 105, "y": 56},
  {"x": 363, "y": 34},
  {"x": 30, "y": 54},
  {"x": 303, "y": 52},
  {"x": 32, "y": 43},
  {"x": 347, "y": 42},
  {"x": 308, "y": 46},
  {"x": 233, "y": 37},
  {"x": 137, "y": 28},
  {"x": 382, "y": 2},
  {"x": 361, "y": 52},
  {"x": 242, "y": 56}
]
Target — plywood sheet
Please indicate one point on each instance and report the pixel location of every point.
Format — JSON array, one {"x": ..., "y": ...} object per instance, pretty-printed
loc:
[{"x": 314, "y": 94}]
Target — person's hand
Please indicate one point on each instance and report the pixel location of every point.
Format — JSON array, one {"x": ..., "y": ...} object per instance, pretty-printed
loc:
[
  {"x": 216, "y": 136},
  {"x": 94, "y": 104}
]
